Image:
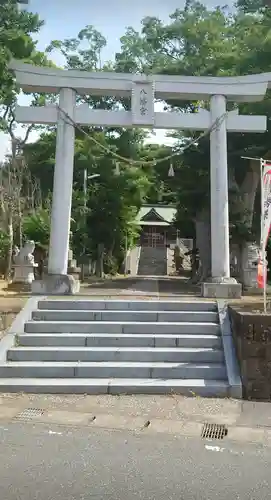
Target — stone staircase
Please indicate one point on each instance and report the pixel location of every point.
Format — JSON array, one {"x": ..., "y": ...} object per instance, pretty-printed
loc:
[
  {"x": 116, "y": 347},
  {"x": 153, "y": 261}
]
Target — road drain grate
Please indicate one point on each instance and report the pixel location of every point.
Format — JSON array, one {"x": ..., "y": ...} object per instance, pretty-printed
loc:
[
  {"x": 214, "y": 431},
  {"x": 29, "y": 413}
]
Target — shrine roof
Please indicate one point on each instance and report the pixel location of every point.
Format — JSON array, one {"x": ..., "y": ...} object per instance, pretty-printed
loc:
[{"x": 161, "y": 215}]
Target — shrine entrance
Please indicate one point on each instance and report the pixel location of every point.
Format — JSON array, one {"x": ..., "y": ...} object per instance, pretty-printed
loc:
[
  {"x": 153, "y": 237},
  {"x": 156, "y": 222},
  {"x": 143, "y": 90}
]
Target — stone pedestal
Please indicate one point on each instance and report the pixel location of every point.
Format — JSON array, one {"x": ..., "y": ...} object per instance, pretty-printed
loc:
[
  {"x": 59, "y": 284},
  {"x": 249, "y": 266},
  {"x": 53, "y": 284},
  {"x": 23, "y": 267},
  {"x": 24, "y": 273},
  {"x": 222, "y": 289},
  {"x": 75, "y": 272},
  {"x": 73, "y": 269},
  {"x": 23, "y": 278}
]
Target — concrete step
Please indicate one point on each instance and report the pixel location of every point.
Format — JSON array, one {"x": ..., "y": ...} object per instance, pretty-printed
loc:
[
  {"x": 126, "y": 354},
  {"x": 188, "y": 387},
  {"x": 123, "y": 340},
  {"x": 153, "y": 263},
  {"x": 121, "y": 327},
  {"x": 151, "y": 271},
  {"x": 133, "y": 305},
  {"x": 211, "y": 371},
  {"x": 153, "y": 260},
  {"x": 120, "y": 316}
]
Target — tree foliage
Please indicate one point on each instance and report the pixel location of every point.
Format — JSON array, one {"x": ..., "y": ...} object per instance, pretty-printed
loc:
[
  {"x": 36, "y": 227},
  {"x": 210, "y": 42},
  {"x": 106, "y": 216},
  {"x": 17, "y": 28}
]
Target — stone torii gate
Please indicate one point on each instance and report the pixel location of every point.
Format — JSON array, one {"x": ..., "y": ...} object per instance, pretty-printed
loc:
[{"x": 143, "y": 90}]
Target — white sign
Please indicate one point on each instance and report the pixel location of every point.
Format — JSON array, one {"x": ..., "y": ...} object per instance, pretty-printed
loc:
[{"x": 143, "y": 104}]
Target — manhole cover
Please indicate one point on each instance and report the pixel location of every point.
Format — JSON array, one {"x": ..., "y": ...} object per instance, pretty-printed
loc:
[
  {"x": 29, "y": 413},
  {"x": 214, "y": 431}
]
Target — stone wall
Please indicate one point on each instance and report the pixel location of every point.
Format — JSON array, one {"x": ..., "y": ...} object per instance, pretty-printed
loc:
[{"x": 252, "y": 337}]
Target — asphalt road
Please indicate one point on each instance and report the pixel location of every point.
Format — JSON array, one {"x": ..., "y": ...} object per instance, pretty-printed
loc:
[{"x": 52, "y": 463}]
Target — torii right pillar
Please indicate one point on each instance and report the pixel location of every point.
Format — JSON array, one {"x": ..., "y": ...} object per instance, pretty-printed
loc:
[{"x": 220, "y": 284}]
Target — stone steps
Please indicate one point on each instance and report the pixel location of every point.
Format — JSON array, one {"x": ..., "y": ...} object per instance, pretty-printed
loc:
[
  {"x": 106, "y": 369},
  {"x": 147, "y": 354},
  {"x": 128, "y": 305},
  {"x": 125, "y": 316},
  {"x": 187, "y": 387},
  {"x": 121, "y": 327},
  {"x": 118, "y": 347},
  {"x": 153, "y": 261},
  {"x": 123, "y": 340}
]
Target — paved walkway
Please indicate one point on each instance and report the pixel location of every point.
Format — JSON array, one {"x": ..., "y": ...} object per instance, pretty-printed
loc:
[
  {"x": 178, "y": 415},
  {"x": 163, "y": 286},
  {"x": 174, "y": 288}
]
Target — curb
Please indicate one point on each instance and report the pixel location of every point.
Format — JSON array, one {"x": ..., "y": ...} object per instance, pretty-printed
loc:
[
  {"x": 233, "y": 372},
  {"x": 17, "y": 327},
  {"x": 135, "y": 424}
]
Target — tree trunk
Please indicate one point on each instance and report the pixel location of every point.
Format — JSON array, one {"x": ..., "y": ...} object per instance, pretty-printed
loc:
[
  {"x": 248, "y": 191},
  {"x": 100, "y": 261},
  {"x": 10, "y": 246},
  {"x": 20, "y": 223},
  {"x": 244, "y": 205}
]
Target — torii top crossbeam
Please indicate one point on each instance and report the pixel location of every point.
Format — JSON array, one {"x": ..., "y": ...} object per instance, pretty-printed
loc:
[
  {"x": 50, "y": 80},
  {"x": 142, "y": 89}
]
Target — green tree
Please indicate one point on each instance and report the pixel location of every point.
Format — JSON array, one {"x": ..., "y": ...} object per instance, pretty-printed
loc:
[
  {"x": 113, "y": 204},
  {"x": 16, "y": 30},
  {"x": 112, "y": 201},
  {"x": 162, "y": 187},
  {"x": 202, "y": 41},
  {"x": 83, "y": 52},
  {"x": 36, "y": 226}
]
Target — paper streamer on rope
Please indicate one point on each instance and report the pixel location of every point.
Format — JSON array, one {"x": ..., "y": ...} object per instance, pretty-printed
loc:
[{"x": 171, "y": 172}]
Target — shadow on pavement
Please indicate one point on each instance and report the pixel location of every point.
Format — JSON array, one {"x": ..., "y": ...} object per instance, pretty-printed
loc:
[{"x": 145, "y": 284}]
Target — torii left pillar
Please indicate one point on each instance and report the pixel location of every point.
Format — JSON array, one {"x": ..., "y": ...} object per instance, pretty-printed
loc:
[{"x": 57, "y": 280}]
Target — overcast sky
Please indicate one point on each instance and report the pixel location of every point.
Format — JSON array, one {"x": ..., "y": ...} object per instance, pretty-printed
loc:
[{"x": 65, "y": 18}]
